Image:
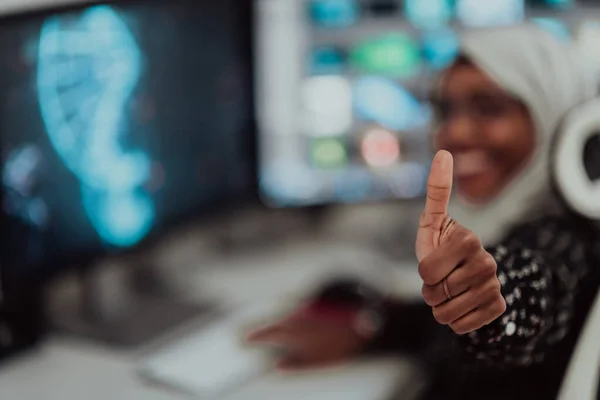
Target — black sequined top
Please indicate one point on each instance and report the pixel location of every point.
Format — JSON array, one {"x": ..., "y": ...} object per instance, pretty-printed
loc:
[{"x": 550, "y": 273}]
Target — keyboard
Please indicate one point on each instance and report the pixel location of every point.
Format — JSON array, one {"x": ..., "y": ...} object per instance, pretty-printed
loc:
[{"x": 213, "y": 361}]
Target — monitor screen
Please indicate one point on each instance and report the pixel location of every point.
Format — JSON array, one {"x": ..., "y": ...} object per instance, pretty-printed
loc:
[
  {"x": 119, "y": 119},
  {"x": 343, "y": 89}
]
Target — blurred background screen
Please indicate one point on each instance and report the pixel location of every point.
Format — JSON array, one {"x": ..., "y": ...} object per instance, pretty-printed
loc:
[
  {"x": 119, "y": 120},
  {"x": 343, "y": 88}
]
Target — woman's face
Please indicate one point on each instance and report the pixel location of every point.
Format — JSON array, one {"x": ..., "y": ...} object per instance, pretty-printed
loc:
[{"x": 490, "y": 134}]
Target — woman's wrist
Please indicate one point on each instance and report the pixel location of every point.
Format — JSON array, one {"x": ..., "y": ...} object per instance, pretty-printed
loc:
[
  {"x": 361, "y": 307},
  {"x": 365, "y": 321}
]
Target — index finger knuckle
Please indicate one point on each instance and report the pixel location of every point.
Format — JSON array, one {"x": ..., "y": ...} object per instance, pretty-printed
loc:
[
  {"x": 469, "y": 242},
  {"x": 487, "y": 265}
]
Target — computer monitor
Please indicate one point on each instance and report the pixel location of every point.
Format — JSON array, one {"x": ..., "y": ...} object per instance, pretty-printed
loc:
[
  {"x": 343, "y": 89},
  {"x": 119, "y": 120}
]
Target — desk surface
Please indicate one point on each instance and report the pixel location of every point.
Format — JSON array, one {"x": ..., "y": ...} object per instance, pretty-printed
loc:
[
  {"x": 63, "y": 370},
  {"x": 67, "y": 370}
]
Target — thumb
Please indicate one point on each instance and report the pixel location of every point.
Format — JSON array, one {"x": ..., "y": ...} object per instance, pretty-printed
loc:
[
  {"x": 439, "y": 190},
  {"x": 439, "y": 185}
]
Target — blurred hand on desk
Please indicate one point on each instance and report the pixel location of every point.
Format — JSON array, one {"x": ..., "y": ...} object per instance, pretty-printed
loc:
[{"x": 318, "y": 335}]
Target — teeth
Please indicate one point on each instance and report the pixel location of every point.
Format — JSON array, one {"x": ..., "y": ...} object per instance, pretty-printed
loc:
[{"x": 470, "y": 163}]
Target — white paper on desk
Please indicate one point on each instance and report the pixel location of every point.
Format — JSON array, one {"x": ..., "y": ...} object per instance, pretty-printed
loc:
[{"x": 214, "y": 361}]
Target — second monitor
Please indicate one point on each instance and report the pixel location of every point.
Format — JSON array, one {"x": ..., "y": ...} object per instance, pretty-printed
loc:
[{"x": 343, "y": 89}]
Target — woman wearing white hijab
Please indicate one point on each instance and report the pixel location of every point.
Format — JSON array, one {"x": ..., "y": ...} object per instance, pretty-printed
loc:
[
  {"x": 499, "y": 106},
  {"x": 549, "y": 78}
]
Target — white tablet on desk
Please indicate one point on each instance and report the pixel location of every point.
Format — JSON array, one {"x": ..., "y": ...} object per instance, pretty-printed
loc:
[{"x": 213, "y": 361}]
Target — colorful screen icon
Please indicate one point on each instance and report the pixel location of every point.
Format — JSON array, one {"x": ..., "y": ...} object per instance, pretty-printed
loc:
[
  {"x": 478, "y": 13},
  {"x": 387, "y": 103},
  {"x": 327, "y": 105},
  {"x": 440, "y": 48},
  {"x": 428, "y": 14},
  {"x": 327, "y": 60},
  {"x": 327, "y": 153},
  {"x": 334, "y": 13},
  {"x": 395, "y": 55},
  {"x": 380, "y": 148}
]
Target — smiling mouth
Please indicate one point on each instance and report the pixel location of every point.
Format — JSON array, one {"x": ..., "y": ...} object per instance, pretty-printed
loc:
[{"x": 470, "y": 164}]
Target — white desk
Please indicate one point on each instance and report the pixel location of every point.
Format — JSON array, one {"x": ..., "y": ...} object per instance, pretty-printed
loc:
[{"x": 66, "y": 370}]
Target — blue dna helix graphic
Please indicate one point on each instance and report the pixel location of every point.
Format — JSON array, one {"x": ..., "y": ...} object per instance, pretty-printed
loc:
[{"x": 88, "y": 68}]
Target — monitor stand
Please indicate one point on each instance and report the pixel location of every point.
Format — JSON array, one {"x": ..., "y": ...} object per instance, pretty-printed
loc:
[{"x": 129, "y": 309}]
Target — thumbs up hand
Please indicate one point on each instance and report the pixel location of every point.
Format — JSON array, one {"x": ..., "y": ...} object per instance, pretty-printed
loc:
[{"x": 459, "y": 276}]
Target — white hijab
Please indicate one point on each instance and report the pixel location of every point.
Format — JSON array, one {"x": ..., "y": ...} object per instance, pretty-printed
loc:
[{"x": 550, "y": 77}]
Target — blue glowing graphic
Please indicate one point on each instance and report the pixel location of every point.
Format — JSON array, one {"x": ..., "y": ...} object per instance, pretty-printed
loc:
[
  {"x": 87, "y": 71},
  {"x": 428, "y": 14},
  {"x": 553, "y": 26},
  {"x": 440, "y": 48},
  {"x": 383, "y": 101},
  {"x": 327, "y": 60},
  {"x": 334, "y": 13}
]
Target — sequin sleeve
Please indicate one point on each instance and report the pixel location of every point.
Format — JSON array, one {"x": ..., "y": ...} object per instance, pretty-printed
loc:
[{"x": 540, "y": 269}]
